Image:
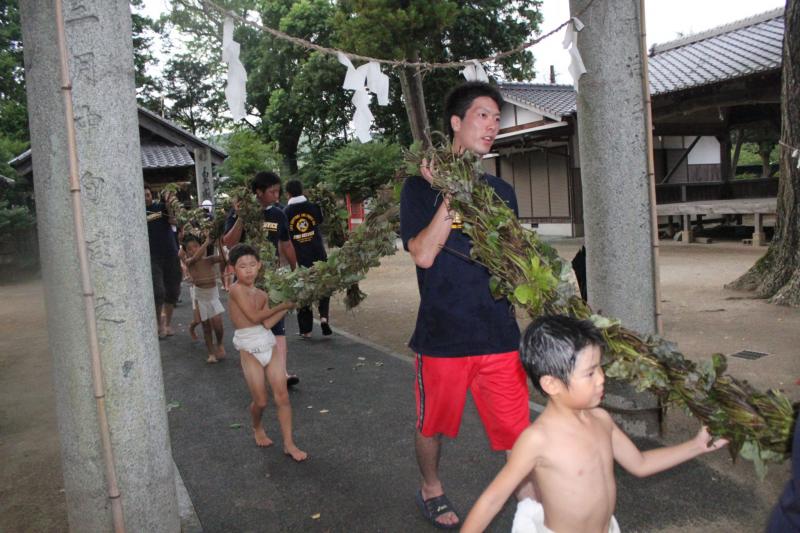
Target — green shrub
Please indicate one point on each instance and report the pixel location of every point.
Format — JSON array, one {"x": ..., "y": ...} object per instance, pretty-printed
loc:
[{"x": 360, "y": 169}]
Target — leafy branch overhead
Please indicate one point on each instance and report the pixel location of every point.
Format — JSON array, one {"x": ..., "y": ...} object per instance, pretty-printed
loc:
[{"x": 532, "y": 275}]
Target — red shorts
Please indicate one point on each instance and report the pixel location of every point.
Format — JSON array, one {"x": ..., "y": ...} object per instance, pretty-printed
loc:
[{"x": 498, "y": 386}]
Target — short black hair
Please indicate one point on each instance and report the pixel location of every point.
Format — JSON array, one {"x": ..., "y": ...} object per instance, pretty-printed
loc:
[
  {"x": 551, "y": 344},
  {"x": 460, "y": 98},
  {"x": 241, "y": 250},
  {"x": 189, "y": 237},
  {"x": 264, "y": 180},
  {"x": 295, "y": 188}
]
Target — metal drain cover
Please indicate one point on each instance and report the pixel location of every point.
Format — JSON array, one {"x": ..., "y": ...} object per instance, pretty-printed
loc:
[{"x": 749, "y": 354}]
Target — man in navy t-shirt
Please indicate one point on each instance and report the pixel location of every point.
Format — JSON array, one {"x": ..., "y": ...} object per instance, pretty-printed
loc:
[
  {"x": 267, "y": 188},
  {"x": 464, "y": 338},
  {"x": 305, "y": 219}
]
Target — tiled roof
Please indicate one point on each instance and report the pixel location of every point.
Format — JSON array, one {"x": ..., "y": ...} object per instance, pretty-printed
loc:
[
  {"x": 742, "y": 48},
  {"x": 734, "y": 50},
  {"x": 153, "y": 156},
  {"x": 165, "y": 156},
  {"x": 555, "y": 100}
]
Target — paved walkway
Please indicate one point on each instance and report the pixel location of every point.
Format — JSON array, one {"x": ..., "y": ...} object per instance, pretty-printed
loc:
[{"x": 354, "y": 414}]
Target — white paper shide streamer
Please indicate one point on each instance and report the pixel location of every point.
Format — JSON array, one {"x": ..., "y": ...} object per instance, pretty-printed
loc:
[
  {"x": 365, "y": 79},
  {"x": 235, "y": 90},
  {"x": 474, "y": 72},
  {"x": 576, "y": 68}
]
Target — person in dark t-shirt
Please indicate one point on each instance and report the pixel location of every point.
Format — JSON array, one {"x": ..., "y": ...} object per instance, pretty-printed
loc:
[
  {"x": 305, "y": 219},
  {"x": 267, "y": 188},
  {"x": 165, "y": 266},
  {"x": 464, "y": 338}
]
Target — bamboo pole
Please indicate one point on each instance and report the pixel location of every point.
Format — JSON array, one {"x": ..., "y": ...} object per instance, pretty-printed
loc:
[
  {"x": 86, "y": 280},
  {"x": 651, "y": 174}
]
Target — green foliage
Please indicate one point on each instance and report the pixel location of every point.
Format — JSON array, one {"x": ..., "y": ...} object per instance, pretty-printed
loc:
[
  {"x": 446, "y": 30},
  {"x": 345, "y": 266},
  {"x": 749, "y": 154},
  {"x": 360, "y": 169},
  {"x": 247, "y": 155},
  {"x": 13, "y": 106},
  {"x": 144, "y": 30},
  {"x": 529, "y": 272},
  {"x": 14, "y": 218},
  {"x": 194, "y": 85}
]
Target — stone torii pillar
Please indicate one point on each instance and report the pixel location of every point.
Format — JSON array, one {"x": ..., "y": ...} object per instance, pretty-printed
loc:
[
  {"x": 618, "y": 199},
  {"x": 100, "y": 56}
]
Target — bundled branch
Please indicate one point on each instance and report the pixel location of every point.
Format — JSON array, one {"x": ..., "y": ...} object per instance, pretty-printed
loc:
[
  {"x": 334, "y": 225},
  {"x": 531, "y": 275},
  {"x": 345, "y": 266}
]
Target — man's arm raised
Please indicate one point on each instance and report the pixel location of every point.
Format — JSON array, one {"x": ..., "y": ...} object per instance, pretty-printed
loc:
[{"x": 427, "y": 244}]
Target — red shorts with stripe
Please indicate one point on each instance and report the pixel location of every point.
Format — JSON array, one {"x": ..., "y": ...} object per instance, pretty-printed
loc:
[{"x": 499, "y": 390}]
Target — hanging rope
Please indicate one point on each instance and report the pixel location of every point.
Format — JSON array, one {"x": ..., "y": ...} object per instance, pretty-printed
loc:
[{"x": 297, "y": 41}]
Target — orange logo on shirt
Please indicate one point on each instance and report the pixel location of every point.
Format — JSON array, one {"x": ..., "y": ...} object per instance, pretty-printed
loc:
[{"x": 458, "y": 223}]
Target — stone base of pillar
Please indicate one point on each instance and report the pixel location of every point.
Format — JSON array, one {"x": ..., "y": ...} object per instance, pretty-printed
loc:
[
  {"x": 759, "y": 239},
  {"x": 637, "y": 413}
]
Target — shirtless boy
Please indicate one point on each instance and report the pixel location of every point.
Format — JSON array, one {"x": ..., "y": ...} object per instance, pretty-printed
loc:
[
  {"x": 253, "y": 317},
  {"x": 571, "y": 447},
  {"x": 203, "y": 273}
]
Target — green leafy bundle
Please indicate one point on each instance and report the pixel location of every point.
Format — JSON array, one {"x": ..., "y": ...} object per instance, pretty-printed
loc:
[
  {"x": 532, "y": 275},
  {"x": 345, "y": 266},
  {"x": 334, "y": 225}
]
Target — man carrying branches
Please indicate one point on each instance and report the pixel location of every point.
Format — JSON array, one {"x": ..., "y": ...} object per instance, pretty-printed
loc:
[{"x": 464, "y": 338}]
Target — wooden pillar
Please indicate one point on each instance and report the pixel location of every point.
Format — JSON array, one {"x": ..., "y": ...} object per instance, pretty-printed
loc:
[
  {"x": 758, "y": 231},
  {"x": 202, "y": 172},
  {"x": 686, "y": 236}
]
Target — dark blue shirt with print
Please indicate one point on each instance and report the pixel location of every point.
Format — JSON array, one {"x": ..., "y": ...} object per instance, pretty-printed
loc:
[
  {"x": 457, "y": 314},
  {"x": 275, "y": 225}
]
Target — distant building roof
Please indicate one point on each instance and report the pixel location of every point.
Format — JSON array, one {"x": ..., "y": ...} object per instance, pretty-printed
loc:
[
  {"x": 156, "y": 155},
  {"x": 171, "y": 148},
  {"x": 745, "y": 47},
  {"x": 554, "y": 100},
  {"x": 153, "y": 156},
  {"x": 749, "y": 46}
]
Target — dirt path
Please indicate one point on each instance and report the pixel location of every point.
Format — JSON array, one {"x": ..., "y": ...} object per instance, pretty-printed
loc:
[
  {"x": 31, "y": 496},
  {"x": 698, "y": 313}
]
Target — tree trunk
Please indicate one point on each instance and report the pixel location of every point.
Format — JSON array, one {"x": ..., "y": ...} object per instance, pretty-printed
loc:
[
  {"x": 287, "y": 147},
  {"x": 414, "y": 96},
  {"x": 777, "y": 275}
]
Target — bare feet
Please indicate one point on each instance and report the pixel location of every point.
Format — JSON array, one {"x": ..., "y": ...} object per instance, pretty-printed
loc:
[
  {"x": 211, "y": 359},
  {"x": 192, "y": 332},
  {"x": 221, "y": 352},
  {"x": 168, "y": 331},
  {"x": 295, "y": 453},
  {"x": 261, "y": 437}
]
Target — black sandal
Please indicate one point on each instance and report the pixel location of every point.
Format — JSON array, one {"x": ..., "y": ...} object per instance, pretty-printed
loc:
[{"x": 435, "y": 507}]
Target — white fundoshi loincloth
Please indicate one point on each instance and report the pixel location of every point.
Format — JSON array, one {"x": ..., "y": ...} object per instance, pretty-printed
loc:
[
  {"x": 529, "y": 518},
  {"x": 207, "y": 299},
  {"x": 256, "y": 340}
]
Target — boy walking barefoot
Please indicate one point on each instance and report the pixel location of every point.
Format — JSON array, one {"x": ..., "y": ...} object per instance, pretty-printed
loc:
[
  {"x": 571, "y": 447},
  {"x": 205, "y": 296},
  {"x": 252, "y": 317}
]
